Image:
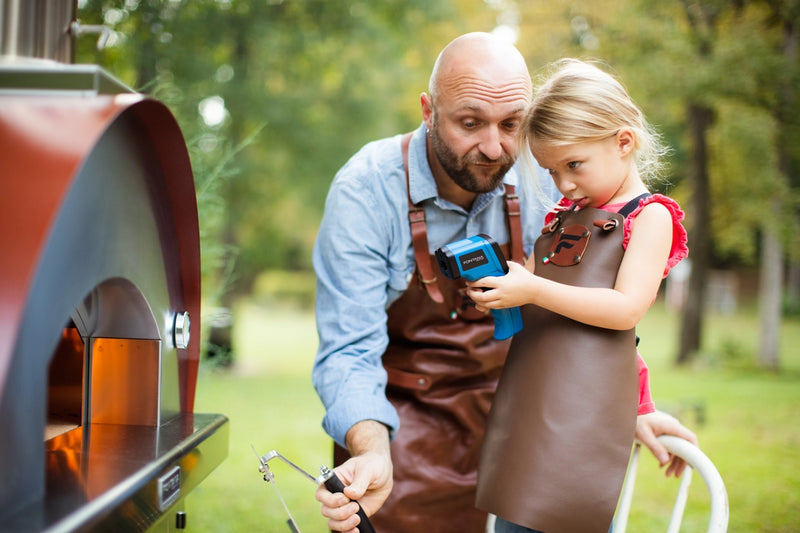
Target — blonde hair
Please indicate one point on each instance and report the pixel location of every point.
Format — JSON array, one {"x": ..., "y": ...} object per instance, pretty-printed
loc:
[{"x": 579, "y": 103}]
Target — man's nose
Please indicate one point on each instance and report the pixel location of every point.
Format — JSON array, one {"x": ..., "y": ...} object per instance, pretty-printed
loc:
[{"x": 491, "y": 145}]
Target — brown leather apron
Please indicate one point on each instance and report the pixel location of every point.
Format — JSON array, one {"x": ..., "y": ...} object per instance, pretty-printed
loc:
[
  {"x": 562, "y": 423},
  {"x": 443, "y": 365}
]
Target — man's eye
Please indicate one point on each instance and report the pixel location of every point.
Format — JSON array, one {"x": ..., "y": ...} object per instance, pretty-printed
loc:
[{"x": 469, "y": 124}]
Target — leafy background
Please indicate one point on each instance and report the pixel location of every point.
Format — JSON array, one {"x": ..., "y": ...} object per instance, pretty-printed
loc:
[{"x": 273, "y": 96}]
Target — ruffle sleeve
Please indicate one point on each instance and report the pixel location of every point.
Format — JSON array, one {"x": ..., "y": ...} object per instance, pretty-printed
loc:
[
  {"x": 562, "y": 205},
  {"x": 679, "y": 248}
]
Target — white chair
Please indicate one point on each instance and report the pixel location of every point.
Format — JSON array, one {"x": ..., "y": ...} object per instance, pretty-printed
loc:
[{"x": 695, "y": 460}]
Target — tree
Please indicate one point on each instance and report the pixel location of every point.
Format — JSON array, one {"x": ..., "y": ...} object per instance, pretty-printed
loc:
[
  {"x": 702, "y": 17},
  {"x": 297, "y": 86},
  {"x": 650, "y": 50},
  {"x": 785, "y": 17},
  {"x": 708, "y": 74}
]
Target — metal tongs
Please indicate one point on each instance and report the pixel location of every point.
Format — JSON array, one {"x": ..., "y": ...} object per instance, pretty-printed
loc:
[{"x": 327, "y": 477}]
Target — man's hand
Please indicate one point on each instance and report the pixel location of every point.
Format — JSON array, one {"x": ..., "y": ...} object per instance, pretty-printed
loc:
[
  {"x": 367, "y": 477},
  {"x": 650, "y": 426}
]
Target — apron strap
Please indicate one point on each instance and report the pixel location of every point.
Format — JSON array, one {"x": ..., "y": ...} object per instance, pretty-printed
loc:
[
  {"x": 419, "y": 231},
  {"x": 516, "y": 250},
  {"x": 628, "y": 208},
  {"x": 419, "y": 235}
]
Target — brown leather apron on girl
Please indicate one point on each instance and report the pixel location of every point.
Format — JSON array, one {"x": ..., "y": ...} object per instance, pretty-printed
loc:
[
  {"x": 562, "y": 423},
  {"x": 443, "y": 365}
]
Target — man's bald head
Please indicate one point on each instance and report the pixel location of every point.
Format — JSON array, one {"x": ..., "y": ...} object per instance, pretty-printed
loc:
[
  {"x": 480, "y": 56},
  {"x": 479, "y": 92}
]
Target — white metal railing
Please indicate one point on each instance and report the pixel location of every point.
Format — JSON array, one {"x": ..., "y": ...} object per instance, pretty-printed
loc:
[{"x": 697, "y": 461}]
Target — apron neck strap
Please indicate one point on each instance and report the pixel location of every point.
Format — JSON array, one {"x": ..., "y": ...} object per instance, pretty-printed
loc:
[
  {"x": 628, "y": 208},
  {"x": 419, "y": 231},
  {"x": 419, "y": 235}
]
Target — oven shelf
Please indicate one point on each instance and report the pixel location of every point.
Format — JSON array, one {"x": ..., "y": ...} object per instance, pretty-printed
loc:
[{"x": 113, "y": 477}]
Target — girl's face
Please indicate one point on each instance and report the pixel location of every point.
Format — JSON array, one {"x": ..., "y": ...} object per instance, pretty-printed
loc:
[{"x": 592, "y": 174}]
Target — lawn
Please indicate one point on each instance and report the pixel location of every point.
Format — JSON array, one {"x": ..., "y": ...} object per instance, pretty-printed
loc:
[{"x": 746, "y": 420}]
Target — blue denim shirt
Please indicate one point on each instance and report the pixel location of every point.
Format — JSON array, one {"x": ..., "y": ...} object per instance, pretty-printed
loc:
[{"x": 364, "y": 260}]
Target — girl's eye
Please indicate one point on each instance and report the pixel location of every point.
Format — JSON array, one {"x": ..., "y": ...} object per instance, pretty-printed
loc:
[
  {"x": 573, "y": 164},
  {"x": 551, "y": 171}
]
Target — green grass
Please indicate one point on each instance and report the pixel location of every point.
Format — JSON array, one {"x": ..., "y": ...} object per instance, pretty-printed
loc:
[
  {"x": 268, "y": 397},
  {"x": 747, "y": 420}
]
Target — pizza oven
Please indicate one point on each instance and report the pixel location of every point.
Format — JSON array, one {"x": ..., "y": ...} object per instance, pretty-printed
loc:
[{"x": 99, "y": 294}]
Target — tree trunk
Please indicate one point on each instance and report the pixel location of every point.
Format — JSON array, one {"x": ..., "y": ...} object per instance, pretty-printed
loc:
[
  {"x": 793, "y": 287},
  {"x": 232, "y": 287},
  {"x": 772, "y": 256},
  {"x": 146, "y": 53},
  {"x": 769, "y": 289},
  {"x": 700, "y": 120}
]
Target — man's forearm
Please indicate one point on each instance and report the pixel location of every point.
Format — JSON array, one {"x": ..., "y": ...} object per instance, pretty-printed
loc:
[{"x": 367, "y": 436}]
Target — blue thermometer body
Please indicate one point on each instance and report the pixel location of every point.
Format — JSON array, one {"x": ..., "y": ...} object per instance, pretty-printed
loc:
[{"x": 474, "y": 258}]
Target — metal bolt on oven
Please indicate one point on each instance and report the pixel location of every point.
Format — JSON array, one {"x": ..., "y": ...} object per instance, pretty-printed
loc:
[{"x": 99, "y": 294}]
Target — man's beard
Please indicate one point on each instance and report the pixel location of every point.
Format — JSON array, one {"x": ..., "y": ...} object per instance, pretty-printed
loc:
[{"x": 458, "y": 169}]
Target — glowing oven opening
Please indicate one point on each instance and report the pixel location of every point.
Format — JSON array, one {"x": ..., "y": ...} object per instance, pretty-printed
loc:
[
  {"x": 105, "y": 368},
  {"x": 65, "y": 384}
]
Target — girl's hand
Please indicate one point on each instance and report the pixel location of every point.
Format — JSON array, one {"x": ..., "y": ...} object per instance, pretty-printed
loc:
[
  {"x": 499, "y": 292},
  {"x": 650, "y": 426}
]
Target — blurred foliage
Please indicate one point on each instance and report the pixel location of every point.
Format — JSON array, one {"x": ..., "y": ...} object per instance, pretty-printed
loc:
[
  {"x": 648, "y": 44},
  {"x": 281, "y": 287},
  {"x": 306, "y": 81},
  {"x": 275, "y": 95}
]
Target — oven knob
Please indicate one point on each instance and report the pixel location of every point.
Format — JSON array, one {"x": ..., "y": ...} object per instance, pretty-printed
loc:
[{"x": 180, "y": 330}]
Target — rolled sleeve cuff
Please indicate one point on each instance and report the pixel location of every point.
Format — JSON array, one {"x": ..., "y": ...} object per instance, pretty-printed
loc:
[{"x": 343, "y": 415}]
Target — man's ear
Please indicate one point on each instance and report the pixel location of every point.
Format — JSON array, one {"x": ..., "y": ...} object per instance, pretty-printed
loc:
[
  {"x": 626, "y": 141},
  {"x": 426, "y": 102}
]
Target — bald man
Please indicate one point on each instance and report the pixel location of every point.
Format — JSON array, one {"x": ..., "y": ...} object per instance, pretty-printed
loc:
[{"x": 406, "y": 366}]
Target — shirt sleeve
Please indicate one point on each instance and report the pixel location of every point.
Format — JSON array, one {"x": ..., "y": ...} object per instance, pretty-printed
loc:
[
  {"x": 353, "y": 271},
  {"x": 646, "y": 404}
]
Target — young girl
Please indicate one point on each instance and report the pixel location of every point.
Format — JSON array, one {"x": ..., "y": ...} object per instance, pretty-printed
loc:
[{"x": 561, "y": 426}]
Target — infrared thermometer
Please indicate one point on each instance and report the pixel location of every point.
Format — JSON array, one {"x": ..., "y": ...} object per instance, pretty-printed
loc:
[{"x": 474, "y": 258}]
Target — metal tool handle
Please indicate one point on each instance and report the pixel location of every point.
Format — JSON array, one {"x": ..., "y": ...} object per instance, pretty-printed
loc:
[{"x": 334, "y": 484}]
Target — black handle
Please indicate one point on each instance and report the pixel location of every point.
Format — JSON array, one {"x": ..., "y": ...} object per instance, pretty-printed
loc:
[{"x": 334, "y": 484}]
